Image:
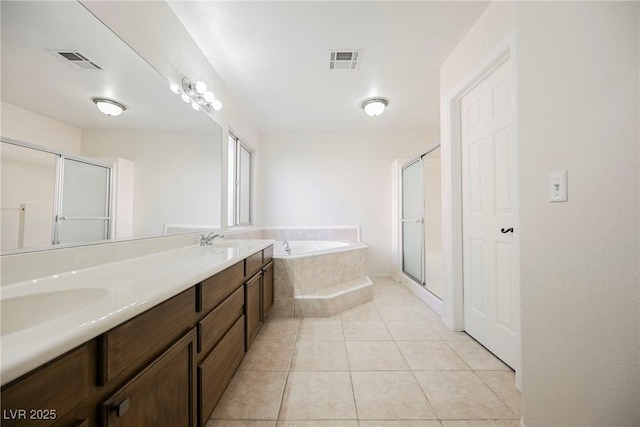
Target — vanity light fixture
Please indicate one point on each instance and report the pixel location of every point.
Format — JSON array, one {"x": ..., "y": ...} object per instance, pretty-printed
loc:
[
  {"x": 109, "y": 106},
  {"x": 197, "y": 95},
  {"x": 374, "y": 106}
]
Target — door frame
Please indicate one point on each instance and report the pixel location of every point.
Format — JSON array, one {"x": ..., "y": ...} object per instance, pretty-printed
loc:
[{"x": 452, "y": 238}]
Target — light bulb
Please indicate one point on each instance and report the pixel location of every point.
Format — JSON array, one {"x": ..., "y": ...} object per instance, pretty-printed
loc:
[
  {"x": 185, "y": 97},
  {"x": 374, "y": 107},
  {"x": 109, "y": 107},
  {"x": 217, "y": 105},
  {"x": 200, "y": 87},
  {"x": 195, "y": 106},
  {"x": 209, "y": 96},
  {"x": 174, "y": 88}
]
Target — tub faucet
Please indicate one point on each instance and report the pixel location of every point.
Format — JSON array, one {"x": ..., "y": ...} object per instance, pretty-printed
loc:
[
  {"x": 286, "y": 247},
  {"x": 208, "y": 239}
]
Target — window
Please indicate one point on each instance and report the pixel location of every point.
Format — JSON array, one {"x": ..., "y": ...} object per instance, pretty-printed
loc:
[{"x": 240, "y": 188}]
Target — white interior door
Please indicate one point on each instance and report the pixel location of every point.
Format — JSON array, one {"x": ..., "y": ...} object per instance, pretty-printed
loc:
[{"x": 489, "y": 197}]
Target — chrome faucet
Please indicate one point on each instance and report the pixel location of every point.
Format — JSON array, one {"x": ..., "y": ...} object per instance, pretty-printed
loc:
[
  {"x": 208, "y": 239},
  {"x": 286, "y": 246}
]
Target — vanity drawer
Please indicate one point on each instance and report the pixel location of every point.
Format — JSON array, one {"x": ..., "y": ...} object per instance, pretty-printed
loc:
[
  {"x": 128, "y": 347},
  {"x": 267, "y": 255},
  {"x": 215, "y": 289},
  {"x": 217, "y": 370},
  {"x": 252, "y": 264},
  {"x": 217, "y": 323},
  {"x": 48, "y": 394}
]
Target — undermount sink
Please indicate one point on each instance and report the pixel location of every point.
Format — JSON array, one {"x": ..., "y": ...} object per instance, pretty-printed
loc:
[{"x": 23, "y": 312}]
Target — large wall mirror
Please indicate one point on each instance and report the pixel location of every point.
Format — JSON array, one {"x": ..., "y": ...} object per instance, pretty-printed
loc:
[{"x": 154, "y": 169}]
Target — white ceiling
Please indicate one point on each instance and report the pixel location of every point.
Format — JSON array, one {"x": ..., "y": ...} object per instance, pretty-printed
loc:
[{"x": 274, "y": 57}]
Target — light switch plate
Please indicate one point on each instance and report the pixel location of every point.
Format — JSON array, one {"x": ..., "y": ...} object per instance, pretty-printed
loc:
[{"x": 558, "y": 186}]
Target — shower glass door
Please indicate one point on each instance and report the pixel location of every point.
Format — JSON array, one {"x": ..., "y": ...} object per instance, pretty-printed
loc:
[
  {"x": 412, "y": 221},
  {"x": 84, "y": 196}
]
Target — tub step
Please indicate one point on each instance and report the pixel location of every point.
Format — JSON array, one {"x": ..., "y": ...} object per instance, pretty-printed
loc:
[{"x": 335, "y": 299}]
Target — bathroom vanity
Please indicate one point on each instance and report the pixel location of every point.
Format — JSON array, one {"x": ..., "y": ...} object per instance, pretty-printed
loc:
[{"x": 163, "y": 365}]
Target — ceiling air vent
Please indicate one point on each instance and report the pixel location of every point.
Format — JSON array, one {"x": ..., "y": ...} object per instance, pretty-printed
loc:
[
  {"x": 345, "y": 59},
  {"x": 76, "y": 58}
]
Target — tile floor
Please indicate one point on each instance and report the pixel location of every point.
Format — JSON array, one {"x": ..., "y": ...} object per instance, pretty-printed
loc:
[{"x": 387, "y": 363}]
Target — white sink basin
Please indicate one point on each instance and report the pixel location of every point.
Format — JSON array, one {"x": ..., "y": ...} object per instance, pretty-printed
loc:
[{"x": 23, "y": 312}]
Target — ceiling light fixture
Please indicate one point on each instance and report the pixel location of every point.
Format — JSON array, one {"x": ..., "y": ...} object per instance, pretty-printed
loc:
[
  {"x": 109, "y": 107},
  {"x": 374, "y": 106},
  {"x": 197, "y": 95}
]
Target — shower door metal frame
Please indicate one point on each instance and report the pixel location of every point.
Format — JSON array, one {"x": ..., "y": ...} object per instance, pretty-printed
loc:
[
  {"x": 59, "y": 190},
  {"x": 403, "y": 220}
]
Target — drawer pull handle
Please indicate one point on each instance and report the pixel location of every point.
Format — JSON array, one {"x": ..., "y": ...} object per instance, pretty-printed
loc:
[{"x": 121, "y": 408}]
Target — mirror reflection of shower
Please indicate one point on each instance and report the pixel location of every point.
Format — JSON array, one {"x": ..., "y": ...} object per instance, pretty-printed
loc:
[{"x": 49, "y": 198}]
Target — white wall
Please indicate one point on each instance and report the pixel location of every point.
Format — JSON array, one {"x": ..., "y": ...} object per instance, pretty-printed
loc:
[
  {"x": 155, "y": 33},
  {"x": 578, "y": 83},
  {"x": 176, "y": 175},
  {"x": 577, "y": 92},
  {"x": 27, "y": 126},
  {"x": 336, "y": 179}
]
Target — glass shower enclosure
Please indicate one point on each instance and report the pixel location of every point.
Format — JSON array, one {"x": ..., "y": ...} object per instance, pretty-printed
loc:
[{"x": 421, "y": 221}]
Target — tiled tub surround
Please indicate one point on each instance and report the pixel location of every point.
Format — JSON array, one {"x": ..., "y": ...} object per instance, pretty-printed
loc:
[
  {"x": 321, "y": 282},
  {"x": 128, "y": 287}
]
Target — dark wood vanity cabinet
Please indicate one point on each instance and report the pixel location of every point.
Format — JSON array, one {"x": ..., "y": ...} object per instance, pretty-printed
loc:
[
  {"x": 168, "y": 366},
  {"x": 56, "y": 394},
  {"x": 267, "y": 289},
  {"x": 162, "y": 394}
]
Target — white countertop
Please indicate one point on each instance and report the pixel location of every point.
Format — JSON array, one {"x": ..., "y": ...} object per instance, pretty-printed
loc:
[{"x": 117, "y": 292}]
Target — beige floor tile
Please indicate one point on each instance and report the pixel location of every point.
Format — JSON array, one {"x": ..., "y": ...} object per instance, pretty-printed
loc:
[
  {"x": 317, "y": 396},
  {"x": 268, "y": 355},
  {"x": 389, "y": 396},
  {"x": 482, "y": 423},
  {"x": 430, "y": 356},
  {"x": 503, "y": 384},
  {"x": 411, "y": 330},
  {"x": 361, "y": 330},
  {"x": 279, "y": 329},
  {"x": 252, "y": 395},
  {"x": 240, "y": 423},
  {"x": 320, "y": 356},
  {"x": 395, "y": 313},
  {"x": 445, "y": 333},
  {"x": 402, "y": 423},
  {"x": 320, "y": 330},
  {"x": 476, "y": 356},
  {"x": 390, "y": 300},
  {"x": 319, "y": 423},
  {"x": 375, "y": 356},
  {"x": 462, "y": 395},
  {"x": 366, "y": 311},
  {"x": 425, "y": 313}
]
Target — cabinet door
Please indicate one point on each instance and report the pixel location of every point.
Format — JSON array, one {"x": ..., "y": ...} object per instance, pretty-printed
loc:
[
  {"x": 252, "y": 304},
  {"x": 267, "y": 290},
  {"x": 218, "y": 368},
  {"x": 48, "y": 395},
  {"x": 163, "y": 394}
]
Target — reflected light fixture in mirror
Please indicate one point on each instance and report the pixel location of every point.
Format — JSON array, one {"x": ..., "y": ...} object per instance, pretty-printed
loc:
[
  {"x": 197, "y": 95},
  {"x": 374, "y": 106},
  {"x": 109, "y": 107}
]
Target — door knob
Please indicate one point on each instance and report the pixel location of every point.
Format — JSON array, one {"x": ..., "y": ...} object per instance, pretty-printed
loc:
[{"x": 506, "y": 230}]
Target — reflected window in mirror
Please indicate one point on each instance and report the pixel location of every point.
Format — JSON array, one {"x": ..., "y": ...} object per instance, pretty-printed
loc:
[{"x": 240, "y": 188}]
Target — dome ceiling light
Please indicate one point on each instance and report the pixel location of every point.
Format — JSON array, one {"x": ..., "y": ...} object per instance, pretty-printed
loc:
[
  {"x": 109, "y": 107},
  {"x": 374, "y": 106}
]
